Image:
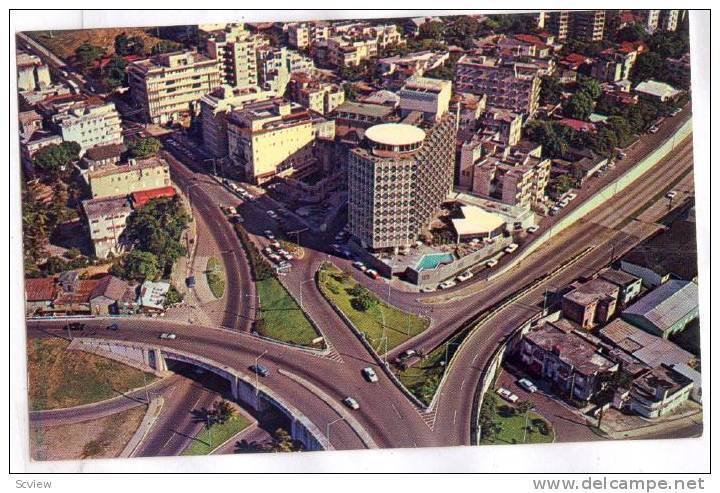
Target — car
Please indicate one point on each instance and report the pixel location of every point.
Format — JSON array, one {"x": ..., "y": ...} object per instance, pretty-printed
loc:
[
  {"x": 287, "y": 256},
  {"x": 511, "y": 247},
  {"x": 571, "y": 196},
  {"x": 507, "y": 395},
  {"x": 654, "y": 129},
  {"x": 269, "y": 234},
  {"x": 554, "y": 210},
  {"x": 274, "y": 257},
  {"x": 359, "y": 265},
  {"x": 260, "y": 370},
  {"x": 491, "y": 263},
  {"x": 621, "y": 155},
  {"x": 676, "y": 112},
  {"x": 113, "y": 327},
  {"x": 351, "y": 403},
  {"x": 447, "y": 284},
  {"x": 168, "y": 335},
  {"x": 267, "y": 250},
  {"x": 276, "y": 245},
  {"x": 527, "y": 385},
  {"x": 237, "y": 219},
  {"x": 372, "y": 273},
  {"x": 671, "y": 194},
  {"x": 428, "y": 289},
  {"x": 563, "y": 203},
  {"x": 75, "y": 326},
  {"x": 190, "y": 282},
  {"x": 533, "y": 229},
  {"x": 272, "y": 213},
  {"x": 464, "y": 276},
  {"x": 370, "y": 374}
]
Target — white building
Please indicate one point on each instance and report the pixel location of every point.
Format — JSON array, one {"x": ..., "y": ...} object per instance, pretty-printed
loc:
[
  {"x": 89, "y": 124},
  {"x": 431, "y": 97}
]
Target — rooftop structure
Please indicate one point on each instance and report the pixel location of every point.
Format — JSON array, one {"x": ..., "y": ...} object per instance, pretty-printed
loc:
[
  {"x": 660, "y": 91},
  {"x": 105, "y": 220},
  {"x": 152, "y": 296},
  {"x": 431, "y": 97},
  {"x": 133, "y": 176},
  {"x": 665, "y": 310},
  {"x": 477, "y": 223},
  {"x": 89, "y": 124},
  {"x": 659, "y": 392},
  {"x": 591, "y": 303}
]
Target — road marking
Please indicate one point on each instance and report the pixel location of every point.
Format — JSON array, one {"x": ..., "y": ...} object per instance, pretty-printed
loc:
[
  {"x": 462, "y": 383},
  {"x": 454, "y": 417}
]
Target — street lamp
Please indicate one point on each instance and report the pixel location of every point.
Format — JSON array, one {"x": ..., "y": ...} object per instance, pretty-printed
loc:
[{"x": 327, "y": 427}]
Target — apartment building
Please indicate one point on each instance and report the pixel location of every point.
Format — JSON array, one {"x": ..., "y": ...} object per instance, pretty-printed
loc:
[
  {"x": 308, "y": 90},
  {"x": 591, "y": 303},
  {"x": 431, "y": 97},
  {"x": 613, "y": 65},
  {"x": 505, "y": 123},
  {"x": 89, "y": 123},
  {"x": 511, "y": 85},
  {"x": 669, "y": 20},
  {"x": 587, "y": 25},
  {"x": 168, "y": 87},
  {"x": 344, "y": 51},
  {"x": 275, "y": 66},
  {"x": 416, "y": 63},
  {"x": 303, "y": 35},
  {"x": 397, "y": 180},
  {"x": 32, "y": 73},
  {"x": 659, "y": 392},
  {"x": 215, "y": 108},
  {"x": 650, "y": 18},
  {"x": 124, "y": 179},
  {"x": 274, "y": 137},
  {"x": 235, "y": 49},
  {"x": 105, "y": 219}
]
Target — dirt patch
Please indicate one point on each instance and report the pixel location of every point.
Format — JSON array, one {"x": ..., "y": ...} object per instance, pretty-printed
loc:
[
  {"x": 99, "y": 438},
  {"x": 64, "y": 43}
]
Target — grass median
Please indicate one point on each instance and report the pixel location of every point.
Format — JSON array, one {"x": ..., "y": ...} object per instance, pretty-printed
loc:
[
  {"x": 215, "y": 277},
  {"x": 509, "y": 426},
  {"x": 209, "y": 439},
  {"x": 365, "y": 310},
  {"x": 58, "y": 378},
  {"x": 281, "y": 317}
]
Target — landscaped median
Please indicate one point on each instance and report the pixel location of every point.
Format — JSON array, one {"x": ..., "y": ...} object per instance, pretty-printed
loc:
[
  {"x": 218, "y": 433},
  {"x": 215, "y": 277},
  {"x": 512, "y": 424},
  {"x": 280, "y": 317},
  {"x": 366, "y": 312}
]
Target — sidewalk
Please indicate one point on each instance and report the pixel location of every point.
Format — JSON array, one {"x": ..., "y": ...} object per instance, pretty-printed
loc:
[{"x": 617, "y": 425}]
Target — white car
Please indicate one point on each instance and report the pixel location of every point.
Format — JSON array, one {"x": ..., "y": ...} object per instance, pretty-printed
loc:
[
  {"x": 533, "y": 228},
  {"x": 554, "y": 210},
  {"x": 269, "y": 234},
  {"x": 359, "y": 265},
  {"x": 563, "y": 203},
  {"x": 654, "y": 129},
  {"x": 491, "y": 263},
  {"x": 447, "y": 284},
  {"x": 671, "y": 194},
  {"x": 168, "y": 335},
  {"x": 511, "y": 247},
  {"x": 272, "y": 214},
  {"x": 351, "y": 403},
  {"x": 621, "y": 155},
  {"x": 527, "y": 385},
  {"x": 370, "y": 375},
  {"x": 428, "y": 289},
  {"x": 464, "y": 276},
  {"x": 287, "y": 256},
  {"x": 507, "y": 395},
  {"x": 676, "y": 112},
  {"x": 571, "y": 196}
]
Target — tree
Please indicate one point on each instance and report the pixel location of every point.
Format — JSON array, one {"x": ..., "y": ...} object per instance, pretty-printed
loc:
[
  {"x": 144, "y": 147},
  {"x": 113, "y": 73},
  {"x": 580, "y": 106},
  {"x": 138, "y": 265},
  {"x": 552, "y": 136},
  {"x": 486, "y": 417},
  {"x": 125, "y": 45},
  {"x": 633, "y": 32},
  {"x": 432, "y": 30},
  {"x": 56, "y": 159},
  {"x": 648, "y": 66},
  {"x": 591, "y": 87},
  {"x": 223, "y": 411},
  {"x": 86, "y": 54},
  {"x": 362, "y": 299},
  {"x": 165, "y": 46},
  {"x": 550, "y": 90},
  {"x": 173, "y": 296}
]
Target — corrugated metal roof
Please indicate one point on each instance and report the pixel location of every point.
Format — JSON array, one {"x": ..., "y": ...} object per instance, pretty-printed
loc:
[{"x": 667, "y": 303}]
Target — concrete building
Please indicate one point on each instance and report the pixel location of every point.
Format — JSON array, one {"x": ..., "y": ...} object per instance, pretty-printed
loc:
[
  {"x": 396, "y": 69},
  {"x": 587, "y": 25},
  {"x": 235, "y": 49},
  {"x": 506, "y": 124},
  {"x": 344, "y": 51},
  {"x": 650, "y": 18},
  {"x": 215, "y": 108},
  {"x": 29, "y": 122},
  {"x": 628, "y": 284},
  {"x": 570, "y": 359},
  {"x": 431, "y": 97},
  {"x": 32, "y": 73},
  {"x": 656, "y": 91},
  {"x": 133, "y": 176},
  {"x": 510, "y": 85},
  {"x": 591, "y": 303},
  {"x": 274, "y": 137},
  {"x": 105, "y": 219},
  {"x": 666, "y": 310},
  {"x": 104, "y": 155},
  {"x": 397, "y": 181},
  {"x": 303, "y": 35},
  {"x": 89, "y": 123},
  {"x": 308, "y": 90},
  {"x": 659, "y": 392},
  {"x": 669, "y": 19},
  {"x": 275, "y": 66},
  {"x": 168, "y": 87}
]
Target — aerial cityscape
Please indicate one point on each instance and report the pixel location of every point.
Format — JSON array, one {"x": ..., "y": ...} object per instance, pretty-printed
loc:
[{"x": 359, "y": 234}]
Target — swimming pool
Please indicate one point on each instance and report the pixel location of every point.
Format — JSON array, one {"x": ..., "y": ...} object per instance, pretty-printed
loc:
[{"x": 432, "y": 260}]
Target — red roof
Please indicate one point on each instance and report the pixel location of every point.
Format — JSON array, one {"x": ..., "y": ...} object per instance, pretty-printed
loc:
[
  {"x": 575, "y": 58},
  {"x": 630, "y": 46},
  {"x": 41, "y": 289},
  {"x": 578, "y": 125},
  {"x": 530, "y": 38},
  {"x": 139, "y": 199}
]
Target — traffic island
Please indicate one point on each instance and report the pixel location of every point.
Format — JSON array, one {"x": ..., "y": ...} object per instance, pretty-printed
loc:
[
  {"x": 216, "y": 435},
  {"x": 512, "y": 424},
  {"x": 215, "y": 277}
]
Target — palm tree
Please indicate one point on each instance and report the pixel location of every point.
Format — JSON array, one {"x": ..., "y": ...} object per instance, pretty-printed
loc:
[{"x": 223, "y": 411}]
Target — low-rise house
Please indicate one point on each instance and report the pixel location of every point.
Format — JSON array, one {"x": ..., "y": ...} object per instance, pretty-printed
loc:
[
  {"x": 74, "y": 297},
  {"x": 629, "y": 285},
  {"x": 562, "y": 354},
  {"x": 695, "y": 376},
  {"x": 103, "y": 155},
  {"x": 112, "y": 296},
  {"x": 133, "y": 176},
  {"x": 590, "y": 303},
  {"x": 656, "y": 91},
  {"x": 105, "y": 220},
  {"x": 141, "y": 198},
  {"x": 151, "y": 298},
  {"x": 30, "y": 121},
  {"x": 39, "y": 295},
  {"x": 39, "y": 139},
  {"x": 658, "y": 392},
  {"x": 665, "y": 310}
]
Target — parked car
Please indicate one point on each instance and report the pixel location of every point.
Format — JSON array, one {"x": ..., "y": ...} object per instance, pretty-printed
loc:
[
  {"x": 351, "y": 403},
  {"x": 621, "y": 155},
  {"x": 527, "y": 385},
  {"x": 269, "y": 234},
  {"x": 372, "y": 273},
  {"x": 511, "y": 247},
  {"x": 491, "y": 263},
  {"x": 533, "y": 228},
  {"x": 260, "y": 370},
  {"x": 190, "y": 282},
  {"x": 507, "y": 395},
  {"x": 407, "y": 354},
  {"x": 359, "y": 265},
  {"x": 571, "y": 196},
  {"x": 113, "y": 327},
  {"x": 428, "y": 289},
  {"x": 554, "y": 210},
  {"x": 676, "y": 112},
  {"x": 168, "y": 335},
  {"x": 654, "y": 129},
  {"x": 370, "y": 374},
  {"x": 272, "y": 214},
  {"x": 447, "y": 284},
  {"x": 464, "y": 276},
  {"x": 563, "y": 203},
  {"x": 671, "y": 194}
]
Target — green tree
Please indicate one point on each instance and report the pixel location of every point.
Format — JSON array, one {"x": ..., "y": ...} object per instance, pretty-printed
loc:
[
  {"x": 173, "y": 296},
  {"x": 223, "y": 411},
  {"x": 552, "y": 136},
  {"x": 579, "y": 106},
  {"x": 432, "y": 30},
  {"x": 138, "y": 265},
  {"x": 486, "y": 417},
  {"x": 633, "y": 32},
  {"x": 125, "y": 45},
  {"x": 144, "y": 147},
  {"x": 86, "y": 54},
  {"x": 56, "y": 159},
  {"x": 165, "y": 46},
  {"x": 648, "y": 66},
  {"x": 113, "y": 74},
  {"x": 550, "y": 90},
  {"x": 591, "y": 87}
]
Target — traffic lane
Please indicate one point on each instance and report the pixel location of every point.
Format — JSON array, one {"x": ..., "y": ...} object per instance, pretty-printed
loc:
[{"x": 337, "y": 381}]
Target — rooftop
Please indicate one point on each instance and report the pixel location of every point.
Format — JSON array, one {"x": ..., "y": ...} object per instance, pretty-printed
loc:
[
  {"x": 151, "y": 162},
  {"x": 395, "y": 134},
  {"x": 654, "y": 384},
  {"x": 144, "y": 196},
  {"x": 617, "y": 277},
  {"x": 593, "y": 290},
  {"x": 666, "y": 304},
  {"x": 104, "y": 152},
  {"x": 476, "y": 221},
  {"x": 40, "y": 289},
  {"x": 102, "y": 207},
  {"x": 657, "y": 89}
]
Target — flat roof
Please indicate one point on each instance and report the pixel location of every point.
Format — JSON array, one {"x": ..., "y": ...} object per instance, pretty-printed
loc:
[
  {"x": 476, "y": 221},
  {"x": 395, "y": 134}
]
